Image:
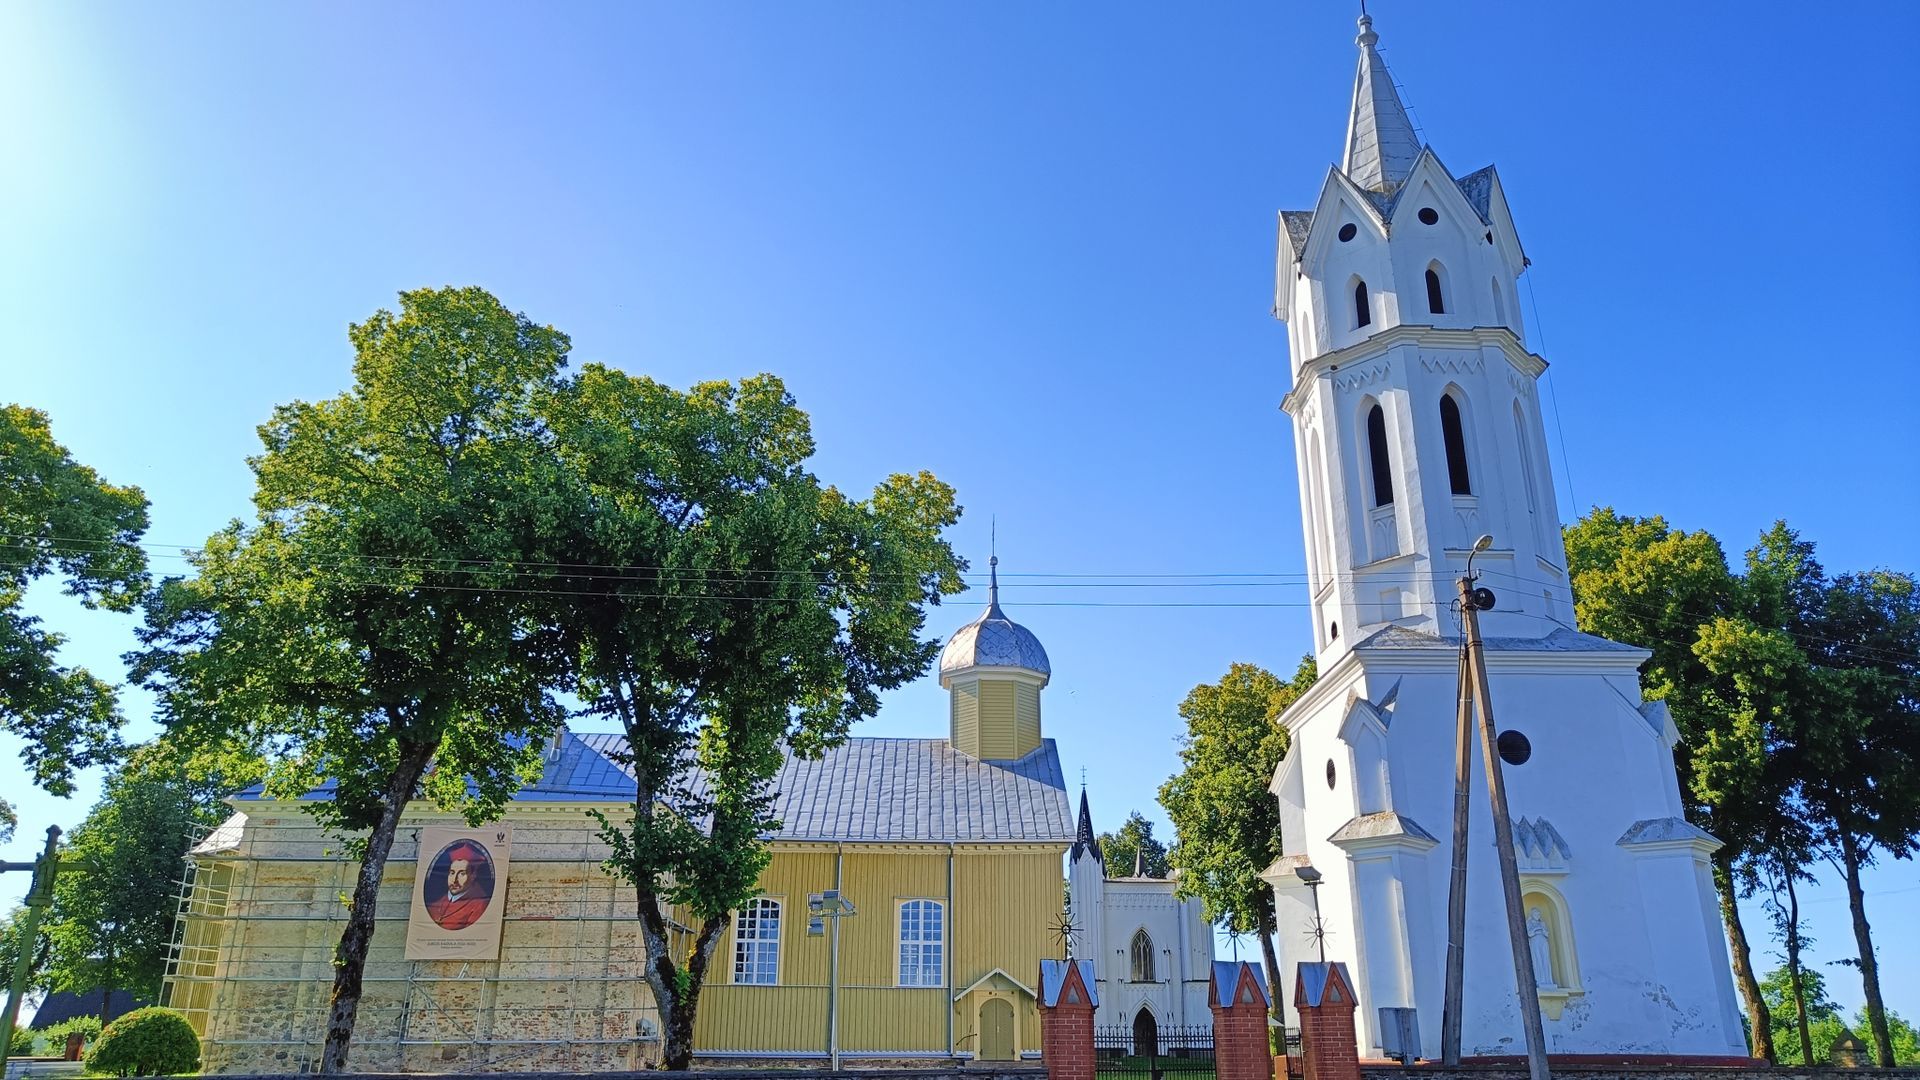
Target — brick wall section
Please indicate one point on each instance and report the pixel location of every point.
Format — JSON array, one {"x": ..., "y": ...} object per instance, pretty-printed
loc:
[
  {"x": 1326, "y": 1034},
  {"x": 1240, "y": 1047},
  {"x": 1066, "y": 1030}
]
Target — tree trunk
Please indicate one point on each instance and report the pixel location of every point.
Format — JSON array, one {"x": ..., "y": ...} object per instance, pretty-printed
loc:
[
  {"x": 1271, "y": 960},
  {"x": 676, "y": 993},
  {"x": 1793, "y": 970},
  {"x": 1759, "y": 1019},
  {"x": 1863, "y": 936},
  {"x": 350, "y": 956}
]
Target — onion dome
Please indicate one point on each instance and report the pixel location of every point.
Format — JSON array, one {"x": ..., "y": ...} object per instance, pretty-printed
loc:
[{"x": 993, "y": 640}]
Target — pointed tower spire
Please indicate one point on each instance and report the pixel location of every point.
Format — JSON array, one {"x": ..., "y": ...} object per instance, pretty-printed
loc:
[
  {"x": 1083, "y": 838},
  {"x": 1139, "y": 862},
  {"x": 1381, "y": 145}
]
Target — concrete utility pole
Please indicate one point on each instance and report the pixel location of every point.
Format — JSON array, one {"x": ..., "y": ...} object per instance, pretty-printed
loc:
[
  {"x": 39, "y": 898},
  {"x": 1525, "y": 984}
]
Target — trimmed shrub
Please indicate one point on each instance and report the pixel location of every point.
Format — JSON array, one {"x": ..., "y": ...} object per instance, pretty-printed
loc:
[
  {"x": 56, "y": 1034},
  {"x": 146, "y": 1042},
  {"x": 20, "y": 1044}
]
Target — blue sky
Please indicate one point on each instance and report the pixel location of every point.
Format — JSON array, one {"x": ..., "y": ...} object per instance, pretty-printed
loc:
[{"x": 1027, "y": 247}]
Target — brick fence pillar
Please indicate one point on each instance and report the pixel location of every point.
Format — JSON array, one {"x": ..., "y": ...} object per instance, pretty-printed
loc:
[
  {"x": 1323, "y": 995},
  {"x": 1067, "y": 1001},
  {"x": 1237, "y": 993}
]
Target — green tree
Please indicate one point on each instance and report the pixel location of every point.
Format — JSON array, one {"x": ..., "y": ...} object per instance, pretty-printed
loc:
[
  {"x": 1825, "y": 1022},
  {"x": 59, "y": 517},
  {"x": 1862, "y": 760},
  {"x": 375, "y": 626},
  {"x": 113, "y": 909},
  {"x": 1226, "y": 824},
  {"x": 1638, "y": 581},
  {"x": 1811, "y": 1041},
  {"x": 1133, "y": 846},
  {"x": 735, "y": 609}
]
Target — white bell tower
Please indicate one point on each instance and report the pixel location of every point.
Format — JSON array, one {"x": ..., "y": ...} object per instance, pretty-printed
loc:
[
  {"x": 1417, "y": 421},
  {"x": 1417, "y": 428}
]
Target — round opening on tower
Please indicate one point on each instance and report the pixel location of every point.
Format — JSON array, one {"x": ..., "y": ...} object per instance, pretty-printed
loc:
[
  {"x": 1429, "y": 216},
  {"x": 1515, "y": 749},
  {"x": 1348, "y": 232}
]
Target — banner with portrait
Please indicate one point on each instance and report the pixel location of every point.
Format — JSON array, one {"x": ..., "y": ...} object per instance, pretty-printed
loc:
[{"x": 459, "y": 893}]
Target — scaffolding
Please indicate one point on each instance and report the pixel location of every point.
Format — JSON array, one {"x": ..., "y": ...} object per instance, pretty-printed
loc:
[{"x": 262, "y": 900}]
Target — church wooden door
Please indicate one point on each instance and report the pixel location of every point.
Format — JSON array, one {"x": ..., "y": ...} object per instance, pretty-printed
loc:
[
  {"x": 996, "y": 1030},
  {"x": 1146, "y": 1034}
]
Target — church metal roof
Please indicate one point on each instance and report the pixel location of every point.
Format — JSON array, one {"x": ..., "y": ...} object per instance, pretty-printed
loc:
[
  {"x": 870, "y": 789},
  {"x": 866, "y": 789},
  {"x": 993, "y": 640}
]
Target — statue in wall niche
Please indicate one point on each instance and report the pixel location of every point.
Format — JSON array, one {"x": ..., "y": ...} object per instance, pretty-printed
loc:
[{"x": 1542, "y": 950}]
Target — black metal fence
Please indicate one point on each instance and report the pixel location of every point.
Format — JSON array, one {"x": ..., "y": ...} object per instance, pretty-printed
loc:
[{"x": 1152, "y": 1052}]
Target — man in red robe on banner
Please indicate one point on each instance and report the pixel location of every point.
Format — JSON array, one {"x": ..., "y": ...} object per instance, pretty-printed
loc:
[{"x": 463, "y": 904}]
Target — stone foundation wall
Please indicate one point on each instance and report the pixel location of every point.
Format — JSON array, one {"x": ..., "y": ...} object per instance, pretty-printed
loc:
[{"x": 703, "y": 1073}]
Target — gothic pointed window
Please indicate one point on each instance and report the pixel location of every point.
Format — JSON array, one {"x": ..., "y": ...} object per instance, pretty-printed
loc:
[
  {"x": 1456, "y": 440},
  {"x": 1377, "y": 457},
  {"x": 1362, "y": 313},
  {"x": 1142, "y": 957},
  {"x": 1436, "y": 303}
]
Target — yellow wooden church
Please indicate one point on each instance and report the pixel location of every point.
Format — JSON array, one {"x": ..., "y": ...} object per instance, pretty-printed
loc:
[{"x": 949, "y": 850}]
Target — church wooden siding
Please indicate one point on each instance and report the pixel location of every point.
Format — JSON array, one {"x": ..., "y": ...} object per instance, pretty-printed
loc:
[{"x": 997, "y": 916}]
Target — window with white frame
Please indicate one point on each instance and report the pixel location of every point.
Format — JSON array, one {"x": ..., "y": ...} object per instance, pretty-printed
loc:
[
  {"x": 756, "y": 943},
  {"x": 923, "y": 926}
]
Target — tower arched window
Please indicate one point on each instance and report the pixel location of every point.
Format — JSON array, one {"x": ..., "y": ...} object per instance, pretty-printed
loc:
[
  {"x": 1456, "y": 439},
  {"x": 1499, "y": 303},
  {"x": 1141, "y": 956},
  {"x": 1362, "y": 311},
  {"x": 1436, "y": 298},
  {"x": 1377, "y": 457}
]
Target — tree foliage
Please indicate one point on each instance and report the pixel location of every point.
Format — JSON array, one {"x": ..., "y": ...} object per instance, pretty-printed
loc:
[
  {"x": 59, "y": 518},
  {"x": 113, "y": 909},
  {"x": 1795, "y": 696},
  {"x": 732, "y": 609},
  {"x": 1825, "y": 1022},
  {"x": 1134, "y": 845},
  {"x": 376, "y": 625},
  {"x": 1226, "y": 824}
]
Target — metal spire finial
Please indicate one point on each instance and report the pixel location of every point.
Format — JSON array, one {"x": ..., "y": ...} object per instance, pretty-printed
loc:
[{"x": 993, "y": 564}]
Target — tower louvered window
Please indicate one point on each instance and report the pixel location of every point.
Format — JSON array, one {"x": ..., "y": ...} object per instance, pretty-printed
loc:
[
  {"x": 1362, "y": 313},
  {"x": 1377, "y": 457},
  {"x": 1456, "y": 440},
  {"x": 1435, "y": 302}
]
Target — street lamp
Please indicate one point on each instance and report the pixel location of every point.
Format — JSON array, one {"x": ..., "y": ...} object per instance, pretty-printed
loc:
[
  {"x": 822, "y": 908},
  {"x": 1311, "y": 877}
]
